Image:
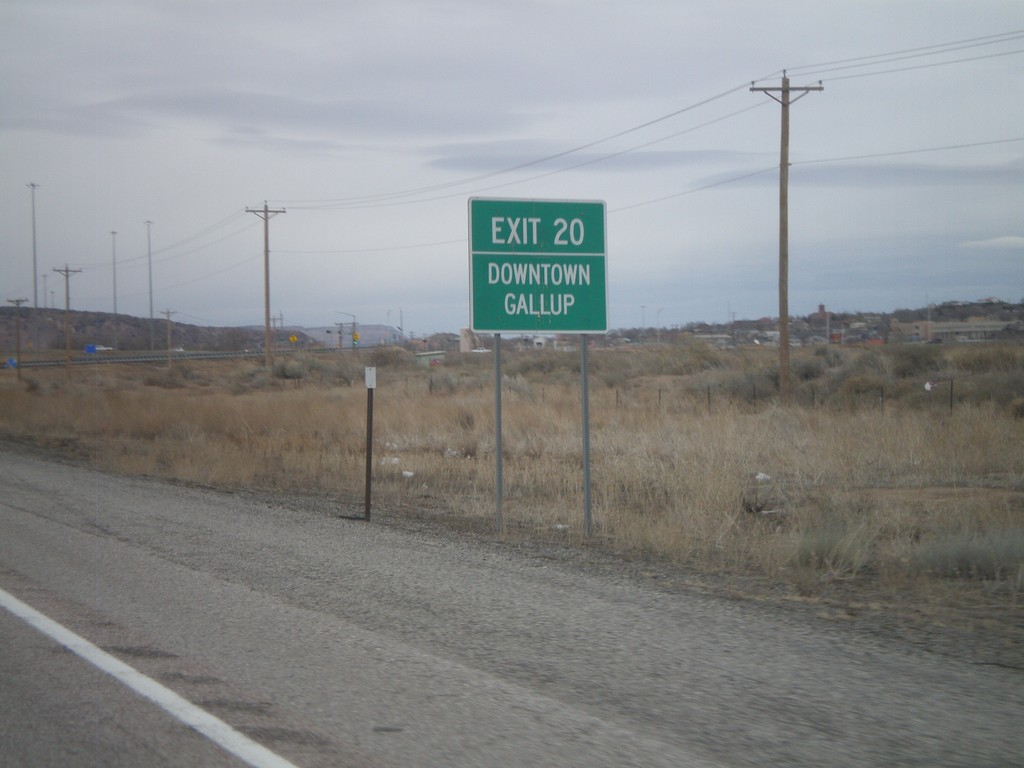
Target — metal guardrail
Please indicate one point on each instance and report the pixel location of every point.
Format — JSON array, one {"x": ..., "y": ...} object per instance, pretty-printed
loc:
[{"x": 139, "y": 357}]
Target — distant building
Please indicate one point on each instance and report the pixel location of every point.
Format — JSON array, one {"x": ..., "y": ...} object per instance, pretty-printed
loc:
[
  {"x": 468, "y": 340},
  {"x": 928, "y": 330}
]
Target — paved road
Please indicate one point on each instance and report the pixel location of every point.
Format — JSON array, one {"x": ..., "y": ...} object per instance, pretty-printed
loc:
[{"x": 336, "y": 642}]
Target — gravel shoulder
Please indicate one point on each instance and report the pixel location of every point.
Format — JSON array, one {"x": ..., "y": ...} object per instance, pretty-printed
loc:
[
  {"x": 419, "y": 635},
  {"x": 971, "y": 631},
  {"x": 968, "y": 628}
]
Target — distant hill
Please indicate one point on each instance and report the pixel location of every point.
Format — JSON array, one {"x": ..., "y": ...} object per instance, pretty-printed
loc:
[
  {"x": 46, "y": 327},
  {"x": 128, "y": 333}
]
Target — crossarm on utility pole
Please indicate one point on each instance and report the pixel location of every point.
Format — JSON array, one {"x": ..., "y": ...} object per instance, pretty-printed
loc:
[{"x": 67, "y": 272}]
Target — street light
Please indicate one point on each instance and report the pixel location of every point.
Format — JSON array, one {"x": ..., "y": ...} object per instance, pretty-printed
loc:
[
  {"x": 35, "y": 272},
  {"x": 113, "y": 251},
  {"x": 35, "y": 269},
  {"x": 149, "y": 256}
]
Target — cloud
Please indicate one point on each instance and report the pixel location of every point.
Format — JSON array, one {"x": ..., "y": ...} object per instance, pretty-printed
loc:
[
  {"x": 1007, "y": 243},
  {"x": 240, "y": 112}
]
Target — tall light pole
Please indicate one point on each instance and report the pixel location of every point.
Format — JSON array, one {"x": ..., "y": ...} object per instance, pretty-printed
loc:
[
  {"x": 35, "y": 269},
  {"x": 149, "y": 257},
  {"x": 113, "y": 251}
]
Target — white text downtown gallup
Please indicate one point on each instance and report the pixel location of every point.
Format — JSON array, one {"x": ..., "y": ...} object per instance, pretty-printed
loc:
[{"x": 520, "y": 275}]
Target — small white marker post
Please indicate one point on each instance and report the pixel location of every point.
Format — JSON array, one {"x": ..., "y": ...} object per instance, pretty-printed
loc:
[{"x": 371, "y": 384}]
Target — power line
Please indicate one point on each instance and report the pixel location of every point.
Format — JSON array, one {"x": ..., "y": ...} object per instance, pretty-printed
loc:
[
  {"x": 741, "y": 177},
  {"x": 619, "y": 209},
  {"x": 380, "y": 249},
  {"x": 926, "y": 66},
  {"x": 384, "y": 198},
  {"x": 204, "y": 246},
  {"x": 591, "y": 161},
  {"x": 908, "y": 151},
  {"x": 387, "y": 196},
  {"x": 907, "y": 53},
  {"x": 524, "y": 180},
  {"x": 208, "y": 275},
  {"x": 171, "y": 257},
  {"x": 694, "y": 190},
  {"x": 234, "y": 216}
]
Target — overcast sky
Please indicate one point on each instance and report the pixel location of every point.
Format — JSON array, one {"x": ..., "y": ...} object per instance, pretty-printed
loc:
[{"x": 371, "y": 122}]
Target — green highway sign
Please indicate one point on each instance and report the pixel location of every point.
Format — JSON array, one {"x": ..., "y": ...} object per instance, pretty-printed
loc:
[{"x": 537, "y": 266}]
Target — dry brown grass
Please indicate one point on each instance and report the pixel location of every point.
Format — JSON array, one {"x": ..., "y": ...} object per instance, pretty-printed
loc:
[{"x": 905, "y": 496}]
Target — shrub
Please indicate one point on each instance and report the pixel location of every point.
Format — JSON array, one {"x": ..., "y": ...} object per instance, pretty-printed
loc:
[
  {"x": 442, "y": 382},
  {"x": 986, "y": 359},
  {"x": 808, "y": 368},
  {"x": 992, "y": 556},
  {"x": 391, "y": 357},
  {"x": 832, "y": 356},
  {"x": 915, "y": 359},
  {"x": 752, "y": 387},
  {"x": 541, "y": 361},
  {"x": 862, "y": 384},
  {"x": 166, "y": 378},
  {"x": 290, "y": 368},
  {"x": 693, "y": 358},
  {"x": 1002, "y": 387},
  {"x": 835, "y": 545}
]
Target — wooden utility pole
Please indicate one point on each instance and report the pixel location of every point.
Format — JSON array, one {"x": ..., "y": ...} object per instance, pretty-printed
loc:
[
  {"x": 785, "y": 99},
  {"x": 17, "y": 333},
  {"x": 265, "y": 213},
  {"x": 67, "y": 272}
]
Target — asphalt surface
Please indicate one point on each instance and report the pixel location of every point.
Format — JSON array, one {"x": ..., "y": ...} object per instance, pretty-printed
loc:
[{"x": 336, "y": 642}]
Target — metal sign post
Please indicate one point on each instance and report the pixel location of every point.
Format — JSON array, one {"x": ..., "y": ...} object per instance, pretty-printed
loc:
[
  {"x": 499, "y": 480},
  {"x": 371, "y": 384},
  {"x": 585, "y": 406}
]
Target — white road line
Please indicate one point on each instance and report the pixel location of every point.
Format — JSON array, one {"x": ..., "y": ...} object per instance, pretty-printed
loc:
[{"x": 213, "y": 728}]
